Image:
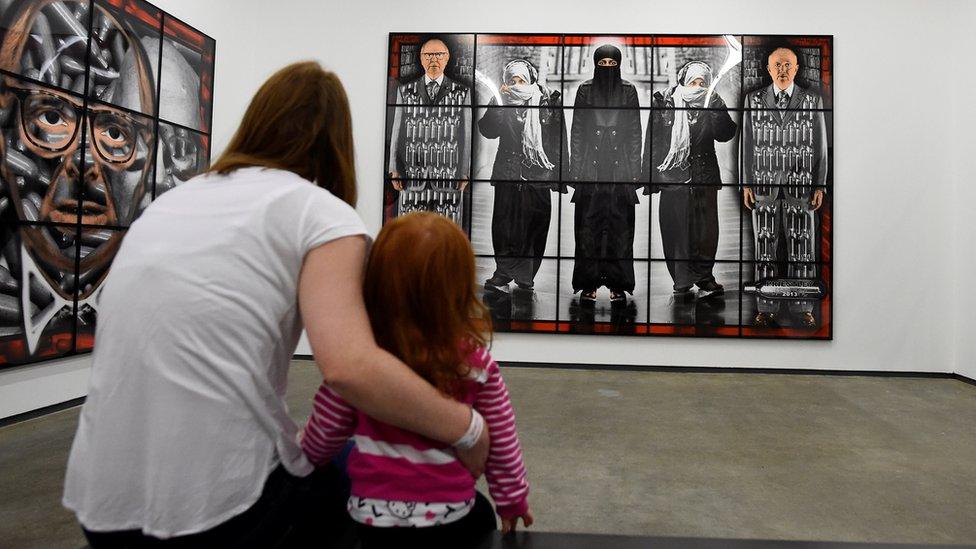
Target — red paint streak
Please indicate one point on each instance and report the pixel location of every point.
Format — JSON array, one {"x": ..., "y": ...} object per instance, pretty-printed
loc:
[
  {"x": 689, "y": 41},
  {"x": 518, "y": 40},
  {"x": 86, "y": 342},
  {"x": 600, "y": 39},
  {"x": 183, "y": 32},
  {"x": 533, "y": 326}
]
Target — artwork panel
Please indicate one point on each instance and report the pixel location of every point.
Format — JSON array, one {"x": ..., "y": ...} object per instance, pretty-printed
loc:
[
  {"x": 122, "y": 64},
  {"x": 449, "y": 55},
  {"x": 46, "y": 42},
  {"x": 814, "y": 70},
  {"x": 708, "y": 312},
  {"x": 586, "y": 214},
  {"x": 787, "y": 300},
  {"x": 516, "y": 144},
  {"x": 37, "y": 292},
  {"x": 716, "y": 59},
  {"x": 602, "y": 315},
  {"x": 512, "y": 219},
  {"x": 700, "y": 223},
  {"x": 635, "y": 68},
  {"x": 181, "y": 154},
  {"x": 40, "y": 183},
  {"x": 786, "y": 147},
  {"x": 186, "y": 75},
  {"x": 530, "y": 295},
  {"x": 533, "y": 59},
  {"x": 450, "y": 198},
  {"x": 692, "y": 146}
]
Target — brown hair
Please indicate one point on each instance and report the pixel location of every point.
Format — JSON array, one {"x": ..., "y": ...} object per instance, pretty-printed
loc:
[
  {"x": 420, "y": 294},
  {"x": 298, "y": 121}
]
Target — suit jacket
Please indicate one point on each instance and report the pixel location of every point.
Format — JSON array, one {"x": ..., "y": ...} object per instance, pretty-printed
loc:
[
  {"x": 449, "y": 109},
  {"x": 784, "y": 146}
]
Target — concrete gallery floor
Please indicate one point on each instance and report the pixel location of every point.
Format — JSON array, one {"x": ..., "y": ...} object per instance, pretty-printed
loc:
[{"x": 718, "y": 455}]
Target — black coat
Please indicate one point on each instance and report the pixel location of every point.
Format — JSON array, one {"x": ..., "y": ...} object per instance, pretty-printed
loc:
[
  {"x": 706, "y": 127},
  {"x": 506, "y": 124},
  {"x": 605, "y": 144}
]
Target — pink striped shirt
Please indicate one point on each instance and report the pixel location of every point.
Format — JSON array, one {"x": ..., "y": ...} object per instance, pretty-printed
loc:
[{"x": 391, "y": 464}]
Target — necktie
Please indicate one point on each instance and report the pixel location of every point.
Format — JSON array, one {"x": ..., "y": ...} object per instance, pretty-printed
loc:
[
  {"x": 432, "y": 89},
  {"x": 782, "y": 100}
]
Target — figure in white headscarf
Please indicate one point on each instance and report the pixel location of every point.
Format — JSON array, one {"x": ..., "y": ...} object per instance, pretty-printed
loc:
[
  {"x": 680, "y": 161},
  {"x": 527, "y": 125}
]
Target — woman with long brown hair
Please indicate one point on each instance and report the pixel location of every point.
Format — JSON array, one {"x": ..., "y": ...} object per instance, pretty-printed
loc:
[{"x": 185, "y": 436}]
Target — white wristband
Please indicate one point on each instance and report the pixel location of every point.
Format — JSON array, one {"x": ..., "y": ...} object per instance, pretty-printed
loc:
[{"x": 473, "y": 433}]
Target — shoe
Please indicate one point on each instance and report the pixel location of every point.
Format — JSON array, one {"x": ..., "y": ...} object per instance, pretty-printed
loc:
[
  {"x": 683, "y": 294},
  {"x": 523, "y": 291},
  {"x": 617, "y": 297},
  {"x": 765, "y": 320},
  {"x": 497, "y": 284},
  {"x": 807, "y": 320},
  {"x": 588, "y": 296},
  {"x": 709, "y": 288}
]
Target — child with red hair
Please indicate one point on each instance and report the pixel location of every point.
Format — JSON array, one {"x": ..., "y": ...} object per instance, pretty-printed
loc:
[{"x": 405, "y": 488}]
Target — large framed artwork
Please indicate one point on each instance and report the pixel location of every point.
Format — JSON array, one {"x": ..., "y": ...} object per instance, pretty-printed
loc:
[
  {"x": 104, "y": 105},
  {"x": 632, "y": 184}
]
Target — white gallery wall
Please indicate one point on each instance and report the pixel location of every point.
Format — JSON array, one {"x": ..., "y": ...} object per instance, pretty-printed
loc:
[
  {"x": 904, "y": 215},
  {"x": 963, "y": 201}
]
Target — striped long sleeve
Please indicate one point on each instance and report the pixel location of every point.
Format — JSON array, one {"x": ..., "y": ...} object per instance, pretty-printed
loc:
[
  {"x": 505, "y": 470},
  {"x": 329, "y": 428}
]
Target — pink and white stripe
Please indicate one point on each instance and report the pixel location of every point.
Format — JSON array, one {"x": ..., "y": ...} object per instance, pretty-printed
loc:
[{"x": 395, "y": 465}]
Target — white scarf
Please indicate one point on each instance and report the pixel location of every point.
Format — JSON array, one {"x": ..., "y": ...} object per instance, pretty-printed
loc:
[
  {"x": 530, "y": 95},
  {"x": 685, "y": 96}
]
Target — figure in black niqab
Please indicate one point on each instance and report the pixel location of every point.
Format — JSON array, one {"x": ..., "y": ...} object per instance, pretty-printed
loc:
[{"x": 605, "y": 167}]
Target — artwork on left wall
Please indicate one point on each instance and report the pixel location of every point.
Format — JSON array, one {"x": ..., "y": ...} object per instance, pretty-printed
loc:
[{"x": 104, "y": 106}]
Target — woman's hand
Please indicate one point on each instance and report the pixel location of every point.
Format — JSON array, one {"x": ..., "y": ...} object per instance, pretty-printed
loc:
[
  {"x": 369, "y": 378},
  {"x": 508, "y": 525}
]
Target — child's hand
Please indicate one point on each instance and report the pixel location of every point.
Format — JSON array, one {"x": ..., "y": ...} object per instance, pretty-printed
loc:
[{"x": 509, "y": 524}]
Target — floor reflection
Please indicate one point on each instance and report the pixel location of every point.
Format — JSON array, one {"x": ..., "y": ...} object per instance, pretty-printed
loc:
[
  {"x": 588, "y": 312},
  {"x": 690, "y": 309},
  {"x": 515, "y": 304}
]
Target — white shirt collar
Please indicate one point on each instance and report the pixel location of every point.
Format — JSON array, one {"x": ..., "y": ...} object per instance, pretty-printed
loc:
[
  {"x": 440, "y": 80},
  {"x": 789, "y": 91}
]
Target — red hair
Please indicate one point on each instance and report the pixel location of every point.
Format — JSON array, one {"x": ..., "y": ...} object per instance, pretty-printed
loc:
[{"x": 420, "y": 294}]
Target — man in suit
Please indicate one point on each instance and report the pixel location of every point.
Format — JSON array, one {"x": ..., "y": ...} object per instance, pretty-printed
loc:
[
  {"x": 429, "y": 148},
  {"x": 784, "y": 177}
]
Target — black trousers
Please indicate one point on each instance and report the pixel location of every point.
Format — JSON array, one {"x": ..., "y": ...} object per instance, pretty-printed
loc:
[
  {"x": 291, "y": 512},
  {"x": 519, "y": 229},
  {"x": 689, "y": 232},
  {"x": 470, "y": 531},
  {"x": 604, "y": 228}
]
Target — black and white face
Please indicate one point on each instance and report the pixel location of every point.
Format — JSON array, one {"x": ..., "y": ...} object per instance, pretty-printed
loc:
[
  {"x": 67, "y": 160},
  {"x": 434, "y": 56},
  {"x": 607, "y": 62},
  {"x": 782, "y": 67}
]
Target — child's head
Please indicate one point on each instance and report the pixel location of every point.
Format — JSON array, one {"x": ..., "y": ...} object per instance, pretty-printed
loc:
[{"x": 420, "y": 294}]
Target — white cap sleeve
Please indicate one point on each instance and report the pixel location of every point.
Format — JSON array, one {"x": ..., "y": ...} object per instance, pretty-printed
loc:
[{"x": 326, "y": 218}]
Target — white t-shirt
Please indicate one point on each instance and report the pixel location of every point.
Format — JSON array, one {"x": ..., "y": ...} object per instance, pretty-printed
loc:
[{"x": 198, "y": 321}]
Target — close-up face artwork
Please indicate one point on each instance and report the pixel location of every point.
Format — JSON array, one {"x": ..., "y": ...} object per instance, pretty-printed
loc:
[{"x": 76, "y": 151}]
